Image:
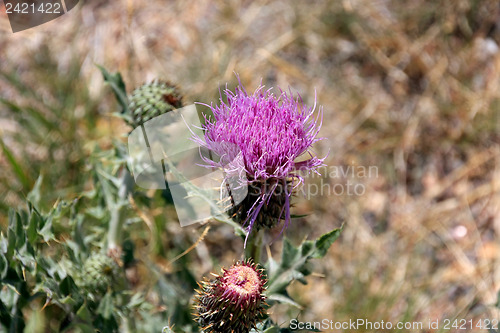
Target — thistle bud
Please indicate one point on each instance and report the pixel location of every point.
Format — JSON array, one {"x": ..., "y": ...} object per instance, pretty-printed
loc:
[
  {"x": 151, "y": 100},
  {"x": 99, "y": 273},
  {"x": 233, "y": 302}
]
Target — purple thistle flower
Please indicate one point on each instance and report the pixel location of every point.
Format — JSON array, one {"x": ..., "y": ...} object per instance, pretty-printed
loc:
[{"x": 258, "y": 138}]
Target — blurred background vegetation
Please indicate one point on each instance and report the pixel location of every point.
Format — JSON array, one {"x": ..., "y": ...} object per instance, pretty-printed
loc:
[{"x": 411, "y": 87}]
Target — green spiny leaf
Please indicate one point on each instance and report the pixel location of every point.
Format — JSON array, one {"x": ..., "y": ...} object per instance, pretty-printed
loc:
[
  {"x": 84, "y": 314},
  {"x": 106, "y": 306},
  {"x": 32, "y": 229},
  {"x": 283, "y": 299},
  {"x": 118, "y": 86},
  {"x": 294, "y": 260},
  {"x": 324, "y": 242},
  {"x": 46, "y": 229},
  {"x": 34, "y": 196},
  {"x": 12, "y": 232}
]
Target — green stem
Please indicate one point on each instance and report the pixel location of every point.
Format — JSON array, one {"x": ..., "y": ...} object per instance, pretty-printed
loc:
[
  {"x": 115, "y": 228},
  {"x": 116, "y": 208},
  {"x": 254, "y": 247}
]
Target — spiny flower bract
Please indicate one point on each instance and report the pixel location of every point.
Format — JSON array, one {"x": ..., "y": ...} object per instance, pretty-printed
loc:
[{"x": 234, "y": 302}]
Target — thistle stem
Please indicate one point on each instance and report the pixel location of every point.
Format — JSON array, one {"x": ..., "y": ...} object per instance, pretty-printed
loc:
[
  {"x": 254, "y": 247},
  {"x": 115, "y": 227},
  {"x": 116, "y": 207}
]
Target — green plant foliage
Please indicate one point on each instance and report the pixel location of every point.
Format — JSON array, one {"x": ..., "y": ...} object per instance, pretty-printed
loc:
[
  {"x": 294, "y": 261},
  {"x": 68, "y": 268},
  {"x": 56, "y": 116},
  {"x": 116, "y": 83}
]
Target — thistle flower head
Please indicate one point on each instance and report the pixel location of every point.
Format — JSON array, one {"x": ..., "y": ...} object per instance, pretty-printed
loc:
[
  {"x": 234, "y": 301},
  {"x": 259, "y": 137}
]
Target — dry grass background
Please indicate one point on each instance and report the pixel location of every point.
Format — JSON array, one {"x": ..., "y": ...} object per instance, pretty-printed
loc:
[{"x": 411, "y": 87}]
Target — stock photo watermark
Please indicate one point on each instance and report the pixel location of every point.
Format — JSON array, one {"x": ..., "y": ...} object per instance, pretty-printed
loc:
[
  {"x": 329, "y": 325},
  {"x": 24, "y": 14},
  {"x": 337, "y": 180},
  {"x": 165, "y": 154}
]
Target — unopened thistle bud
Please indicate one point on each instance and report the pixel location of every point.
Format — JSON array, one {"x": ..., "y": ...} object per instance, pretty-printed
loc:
[
  {"x": 99, "y": 273},
  {"x": 151, "y": 100},
  {"x": 234, "y": 302}
]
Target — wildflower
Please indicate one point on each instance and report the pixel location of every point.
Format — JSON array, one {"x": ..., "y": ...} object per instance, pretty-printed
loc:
[
  {"x": 234, "y": 301},
  {"x": 258, "y": 138}
]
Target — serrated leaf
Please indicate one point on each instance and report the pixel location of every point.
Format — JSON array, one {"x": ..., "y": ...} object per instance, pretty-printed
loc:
[
  {"x": 324, "y": 242},
  {"x": 34, "y": 196},
  {"x": 49, "y": 267},
  {"x": 283, "y": 299},
  {"x": 106, "y": 306},
  {"x": 294, "y": 260},
  {"x": 118, "y": 86},
  {"x": 78, "y": 245},
  {"x": 83, "y": 321},
  {"x": 272, "y": 266},
  {"x": 84, "y": 314},
  {"x": 73, "y": 251},
  {"x": 12, "y": 233},
  {"x": 135, "y": 301},
  {"x": 288, "y": 254},
  {"x": 45, "y": 228},
  {"x": 32, "y": 230},
  {"x": 4, "y": 314},
  {"x": 26, "y": 256},
  {"x": 69, "y": 289}
]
